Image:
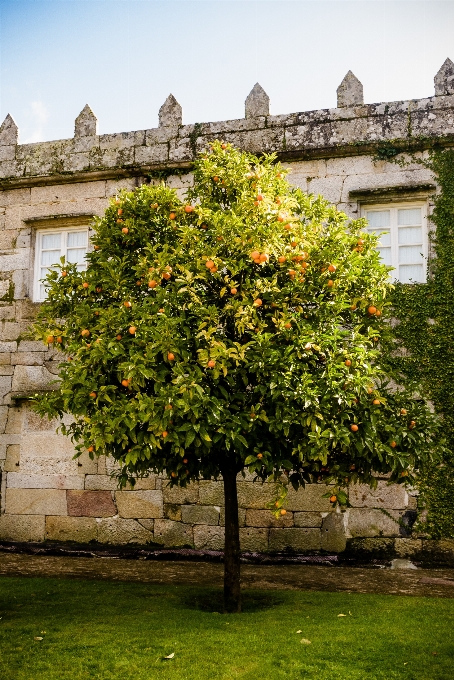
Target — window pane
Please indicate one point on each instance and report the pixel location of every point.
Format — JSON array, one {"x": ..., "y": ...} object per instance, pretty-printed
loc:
[
  {"x": 75, "y": 254},
  {"x": 77, "y": 239},
  {"x": 81, "y": 267},
  {"x": 385, "y": 238},
  {"x": 410, "y": 254},
  {"x": 409, "y": 273},
  {"x": 50, "y": 241},
  {"x": 50, "y": 257},
  {"x": 378, "y": 218},
  {"x": 408, "y": 216},
  {"x": 42, "y": 292},
  {"x": 410, "y": 235},
  {"x": 385, "y": 254}
]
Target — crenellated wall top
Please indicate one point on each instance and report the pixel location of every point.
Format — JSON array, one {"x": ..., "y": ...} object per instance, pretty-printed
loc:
[{"x": 353, "y": 128}]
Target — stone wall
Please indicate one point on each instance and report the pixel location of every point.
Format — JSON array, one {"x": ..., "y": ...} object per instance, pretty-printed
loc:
[{"x": 45, "y": 494}]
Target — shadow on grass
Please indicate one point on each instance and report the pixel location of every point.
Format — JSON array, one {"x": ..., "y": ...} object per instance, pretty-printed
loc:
[{"x": 211, "y": 601}]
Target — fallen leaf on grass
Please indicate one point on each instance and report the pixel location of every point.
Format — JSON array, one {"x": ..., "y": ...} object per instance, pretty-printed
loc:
[
  {"x": 170, "y": 656},
  {"x": 342, "y": 614},
  {"x": 299, "y": 631},
  {"x": 304, "y": 641},
  {"x": 38, "y": 638}
]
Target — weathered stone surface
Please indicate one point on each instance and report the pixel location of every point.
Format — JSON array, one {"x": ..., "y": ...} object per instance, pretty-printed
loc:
[
  {"x": 307, "y": 519},
  {"x": 200, "y": 514},
  {"x": 296, "y": 540},
  {"x": 170, "y": 112},
  {"x": 265, "y": 518},
  {"x": 22, "y": 528},
  {"x": 90, "y": 504},
  {"x": 211, "y": 493},
  {"x": 172, "y": 511},
  {"x": 407, "y": 547},
  {"x": 119, "y": 531},
  {"x": 172, "y": 534},
  {"x": 86, "y": 123},
  {"x": 371, "y": 522},
  {"x": 308, "y": 498},
  {"x": 350, "y": 91},
  {"x": 101, "y": 483},
  {"x": 257, "y": 102},
  {"x": 19, "y": 480},
  {"x": 28, "y": 358},
  {"x": 36, "y": 502},
  {"x": 388, "y": 496},
  {"x": 139, "y": 504},
  {"x": 255, "y": 494},
  {"x": 208, "y": 537},
  {"x": 28, "y": 379},
  {"x": 147, "y": 523},
  {"x": 180, "y": 495},
  {"x": 77, "y": 529},
  {"x": 12, "y": 461},
  {"x": 332, "y": 535},
  {"x": 253, "y": 539},
  {"x": 444, "y": 79},
  {"x": 9, "y": 132}
]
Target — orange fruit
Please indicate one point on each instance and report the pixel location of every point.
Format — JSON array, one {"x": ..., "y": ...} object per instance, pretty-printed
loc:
[
  {"x": 372, "y": 309},
  {"x": 370, "y": 390},
  {"x": 59, "y": 340},
  {"x": 125, "y": 230},
  {"x": 185, "y": 461},
  {"x": 360, "y": 242},
  {"x": 234, "y": 291},
  {"x": 258, "y": 302},
  {"x": 96, "y": 247},
  {"x": 287, "y": 227},
  {"x": 125, "y": 382},
  {"x": 50, "y": 339},
  {"x": 119, "y": 221},
  {"x": 281, "y": 259},
  {"x": 393, "y": 444},
  {"x": 154, "y": 205},
  {"x": 260, "y": 455},
  {"x": 85, "y": 284},
  {"x": 254, "y": 255},
  {"x": 223, "y": 147},
  {"x": 166, "y": 275},
  {"x": 92, "y": 395},
  {"x": 132, "y": 330},
  {"x": 293, "y": 244},
  {"x": 376, "y": 402},
  {"x": 333, "y": 498},
  {"x": 291, "y": 272},
  {"x": 283, "y": 511},
  {"x": 404, "y": 473},
  {"x": 170, "y": 356},
  {"x": 64, "y": 273},
  {"x": 118, "y": 337},
  {"x": 214, "y": 270},
  {"x": 354, "y": 427},
  {"x": 259, "y": 198},
  {"x": 91, "y": 449},
  {"x": 120, "y": 211},
  {"x": 215, "y": 178},
  {"x": 287, "y": 325},
  {"x": 403, "y": 411},
  {"x": 164, "y": 434},
  {"x": 172, "y": 216},
  {"x": 152, "y": 284},
  {"x": 348, "y": 362},
  {"x": 127, "y": 303},
  {"x": 211, "y": 363},
  {"x": 332, "y": 268},
  {"x": 330, "y": 283},
  {"x": 161, "y": 311},
  {"x": 188, "y": 208},
  {"x": 263, "y": 257},
  {"x": 99, "y": 289},
  {"x": 412, "y": 424},
  {"x": 85, "y": 333},
  {"x": 209, "y": 264},
  {"x": 378, "y": 313}
]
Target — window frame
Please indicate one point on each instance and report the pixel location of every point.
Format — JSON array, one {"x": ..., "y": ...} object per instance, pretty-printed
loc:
[
  {"x": 393, "y": 206},
  {"x": 39, "y": 233}
]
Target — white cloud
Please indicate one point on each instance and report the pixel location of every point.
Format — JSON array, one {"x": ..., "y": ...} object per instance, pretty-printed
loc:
[{"x": 37, "y": 116}]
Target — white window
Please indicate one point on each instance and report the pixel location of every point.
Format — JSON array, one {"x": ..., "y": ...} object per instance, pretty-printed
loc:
[
  {"x": 51, "y": 245},
  {"x": 404, "y": 243}
]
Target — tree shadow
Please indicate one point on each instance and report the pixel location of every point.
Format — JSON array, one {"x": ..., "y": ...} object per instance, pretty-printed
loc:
[{"x": 211, "y": 601}]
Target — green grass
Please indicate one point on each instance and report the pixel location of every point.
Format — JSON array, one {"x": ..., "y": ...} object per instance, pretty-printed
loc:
[{"x": 122, "y": 631}]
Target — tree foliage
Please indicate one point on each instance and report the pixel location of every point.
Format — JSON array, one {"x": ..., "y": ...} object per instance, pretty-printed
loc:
[{"x": 242, "y": 324}]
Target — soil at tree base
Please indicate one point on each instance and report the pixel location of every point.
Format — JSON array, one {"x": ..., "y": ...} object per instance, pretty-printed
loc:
[{"x": 412, "y": 582}]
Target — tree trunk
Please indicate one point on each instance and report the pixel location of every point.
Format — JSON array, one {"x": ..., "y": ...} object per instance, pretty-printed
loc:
[{"x": 232, "y": 592}]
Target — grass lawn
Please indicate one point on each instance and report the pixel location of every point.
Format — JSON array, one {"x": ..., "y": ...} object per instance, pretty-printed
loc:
[{"x": 122, "y": 631}]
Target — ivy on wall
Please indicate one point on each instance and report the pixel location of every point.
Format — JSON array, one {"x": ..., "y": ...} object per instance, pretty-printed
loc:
[{"x": 423, "y": 343}]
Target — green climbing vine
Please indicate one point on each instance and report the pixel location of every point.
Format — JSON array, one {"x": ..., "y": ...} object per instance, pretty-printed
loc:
[{"x": 423, "y": 344}]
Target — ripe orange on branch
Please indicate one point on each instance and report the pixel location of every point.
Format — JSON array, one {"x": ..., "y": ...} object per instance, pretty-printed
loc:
[{"x": 354, "y": 427}]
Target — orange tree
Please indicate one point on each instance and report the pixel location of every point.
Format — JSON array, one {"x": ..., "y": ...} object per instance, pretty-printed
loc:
[{"x": 236, "y": 329}]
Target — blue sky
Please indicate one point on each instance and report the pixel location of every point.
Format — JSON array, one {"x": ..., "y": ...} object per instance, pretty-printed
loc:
[{"x": 123, "y": 57}]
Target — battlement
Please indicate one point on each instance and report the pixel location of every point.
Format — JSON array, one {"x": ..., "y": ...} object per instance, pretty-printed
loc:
[{"x": 353, "y": 128}]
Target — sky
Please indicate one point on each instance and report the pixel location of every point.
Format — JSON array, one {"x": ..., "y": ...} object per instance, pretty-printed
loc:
[{"x": 123, "y": 57}]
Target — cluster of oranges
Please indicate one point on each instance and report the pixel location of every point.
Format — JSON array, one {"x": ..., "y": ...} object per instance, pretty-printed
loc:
[
  {"x": 259, "y": 258},
  {"x": 209, "y": 264}
]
